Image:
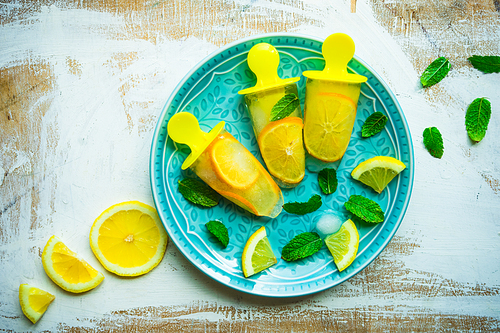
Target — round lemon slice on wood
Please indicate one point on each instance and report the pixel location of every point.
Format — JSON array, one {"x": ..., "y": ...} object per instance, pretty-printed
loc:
[
  {"x": 343, "y": 245},
  {"x": 67, "y": 269},
  {"x": 378, "y": 171},
  {"x": 34, "y": 301},
  {"x": 257, "y": 254},
  {"x": 129, "y": 238}
]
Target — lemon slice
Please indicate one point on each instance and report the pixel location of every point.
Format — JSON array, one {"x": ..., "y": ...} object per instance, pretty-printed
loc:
[
  {"x": 34, "y": 301},
  {"x": 67, "y": 269},
  {"x": 282, "y": 149},
  {"x": 343, "y": 245},
  {"x": 328, "y": 124},
  {"x": 378, "y": 171},
  {"x": 128, "y": 238},
  {"x": 234, "y": 165},
  {"x": 257, "y": 254}
]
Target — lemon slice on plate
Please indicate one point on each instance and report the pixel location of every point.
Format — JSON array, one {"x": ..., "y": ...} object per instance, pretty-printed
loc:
[
  {"x": 34, "y": 301},
  {"x": 67, "y": 269},
  {"x": 343, "y": 245},
  {"x": 378, "y": 171},
  {"x": 129, "y": 238},
  {"x": 257, "y": 254}
]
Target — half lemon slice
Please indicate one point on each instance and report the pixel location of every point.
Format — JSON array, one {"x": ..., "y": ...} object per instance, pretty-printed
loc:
[
  {"x": 378, "y": 171},
  {"x": 343, "y": 245},
  {"x": 129, "y": 238},
  {"x": 34, "y": 301},
  {"x": 257, "y": 254}
]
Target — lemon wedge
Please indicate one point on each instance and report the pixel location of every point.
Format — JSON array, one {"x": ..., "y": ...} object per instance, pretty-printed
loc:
[
  {"x": 67, "y": 269},
  {"x": 343, "y": 245},
  {"x": 378, "y": 171},
  {"x": 34, "y": 301},
  {"x": 128, "y": 238},
  {"x": 257, "y": 254}
]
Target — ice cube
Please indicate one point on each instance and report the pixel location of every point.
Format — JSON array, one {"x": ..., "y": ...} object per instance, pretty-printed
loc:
[{"x": 329, "y": 223}]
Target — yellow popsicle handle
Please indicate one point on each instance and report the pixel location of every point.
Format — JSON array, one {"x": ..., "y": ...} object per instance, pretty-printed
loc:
[
  {"x": 338, "y": 50},
  {"x": 263, "y": 59},
  {"x": 184, "y": 128}
]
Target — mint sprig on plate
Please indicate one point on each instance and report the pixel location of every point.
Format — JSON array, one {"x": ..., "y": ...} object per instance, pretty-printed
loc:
[
  {"x": 302, "y": 208},
  {"x": 219, "y": 230},
  {"x": 373, "y": 124},
  {"x": 433, "y": 141},
  {"x": 301, "y": 246},
  {"x": 198, "y": 192},
  {"x": 435, "y": 72},
  {"x": 284, "y": 107},
  {"x": 477, "y": 118},
  {"x": 327, "y": 180},
  {"x": 364, "y": 208}
]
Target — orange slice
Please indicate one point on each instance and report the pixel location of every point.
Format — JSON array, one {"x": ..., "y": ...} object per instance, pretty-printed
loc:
[
  {"x": 282, "y": 149},
  {"x": 240, "y": 201}
]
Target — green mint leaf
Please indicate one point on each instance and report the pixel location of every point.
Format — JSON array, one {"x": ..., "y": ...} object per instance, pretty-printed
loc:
[
  {"x": 219, "y": 230},
  {"x": 198, "y": 192},
  {"x": 486, "y": 64},
  {"x": 373, "y": 124},
  {"x": 433, "y": 141},
  {"x": 302, "y": 208},
  {"x": 435, "y": 72},
  {"x": 301, "y": 246},
  {"x": 364, "y": 208},
  {"x": 284, "y": 107},
  {"x": 477, "y": 118},
  {"x": 327, "y": 179}
]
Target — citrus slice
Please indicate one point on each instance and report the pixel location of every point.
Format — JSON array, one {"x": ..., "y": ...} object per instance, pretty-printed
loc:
[
  {"x": 240, "y": 201},
  {"x": 234, "y": 164},
  {"x": 282, "y": 149},
  {"x": 343, "y": 245},
  {"x": 67, "y": 269},
  {"x": 378, "y": 171},
  {"x": 257, "y": 253},
  {"x": 129, "y": 238},
  {"x": 328, "y": 124},
  {"x": 34, "y": 301}
]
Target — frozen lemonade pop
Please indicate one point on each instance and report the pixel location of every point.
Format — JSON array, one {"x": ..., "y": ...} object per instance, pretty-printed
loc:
[
  {"x": 331, "y": 101},
  {"x": 274, "y": 108},
  {"x": 226, "y": 165}
]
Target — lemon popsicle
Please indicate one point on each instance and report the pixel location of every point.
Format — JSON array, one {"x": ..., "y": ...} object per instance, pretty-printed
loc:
[
  {"x": 226, "y": 165},
  {"x": 274, "y": 109},
  {"x": 331, "y": 101}
]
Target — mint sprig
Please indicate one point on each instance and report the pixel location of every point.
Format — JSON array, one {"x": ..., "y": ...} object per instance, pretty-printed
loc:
[
  {"x": 302, "y": 208},
  {"x": 364, "y": 208},
  {"x": 435, "y": 72},
  {"x": 486, "y": 64},
  {"x": 433, "y": 141},
  {"x": 477, "y": 118},
  {"x": 373, "y": 124},
  {"x": 284, "y": 107},
  {"x": 327, "y": 180},
  {"x": 198, "y": 192},
  {"x": 219, "y": 230},
  {"x": 301, "y": 246}
]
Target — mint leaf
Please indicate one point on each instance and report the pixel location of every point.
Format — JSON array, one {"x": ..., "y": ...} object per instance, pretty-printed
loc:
[
  {"x": 364, "y": 208},
  {"x": 284, "y": 107},
  {"x": 486, "y": 64},
  {"x": 301, "y": 246},
  {"x": 198, "y": 192},
  {"x": 373, "y": 124},
  {"x": 327, "y": 179},
  {"x": 477, "y": 118},
  {"x": 433, "y": 141},
  {"x": 302, "y": 208},
  {"x": 435, "y": 72},
  {"x": 219, "y": 230}
]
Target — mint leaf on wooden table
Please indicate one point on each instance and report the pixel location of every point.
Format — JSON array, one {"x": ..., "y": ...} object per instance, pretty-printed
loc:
[
  {"x": 373, "y": 124},
  {"x": 198, "y": 192},
  {"x": 301, "y": 246},
  {"x": 486, "y": 64},
  {"x": 435, "y": 72},
  {"x": 327, "y": 179},
  {"x": 364, "y": 208},
  {"x": 284, "y": 107},
  {"x": 219, "y": 230},
  {"x": 302, "y": 208},
  {"x": 433, "y": 141},
  {"x": 477, "y": 118}
]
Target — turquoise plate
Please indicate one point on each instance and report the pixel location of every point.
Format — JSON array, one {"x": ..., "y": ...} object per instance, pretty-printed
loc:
[{"x": 209, "y": 91}]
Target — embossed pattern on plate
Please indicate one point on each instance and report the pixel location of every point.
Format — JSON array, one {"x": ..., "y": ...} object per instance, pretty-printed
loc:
[{"x": 209, "y": 91}]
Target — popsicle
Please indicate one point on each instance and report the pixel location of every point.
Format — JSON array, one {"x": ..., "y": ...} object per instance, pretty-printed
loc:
[
  {"x": 276, "y": 116},
  {"x": 226, "y": 165},
  {"x": 331, "y": 101}
]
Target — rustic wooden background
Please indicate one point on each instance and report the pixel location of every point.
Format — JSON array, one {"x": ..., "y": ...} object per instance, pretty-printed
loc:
[{"x": 82, "y": 84}]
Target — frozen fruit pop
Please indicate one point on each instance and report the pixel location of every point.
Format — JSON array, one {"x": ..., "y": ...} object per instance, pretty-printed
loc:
[
  {"x": 226, "y": 165},
  {"x": 274, "y": 108},
  {"x": 331, "y": 101}
]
